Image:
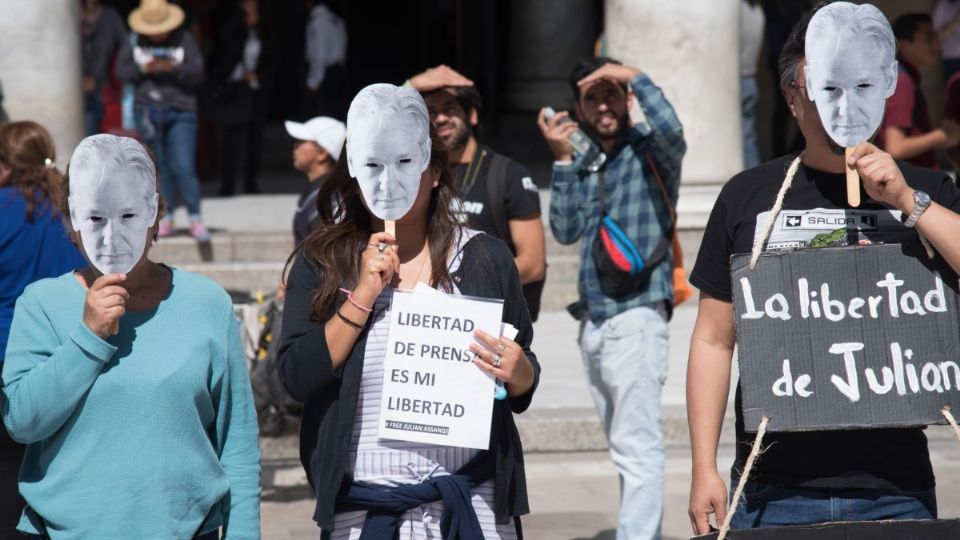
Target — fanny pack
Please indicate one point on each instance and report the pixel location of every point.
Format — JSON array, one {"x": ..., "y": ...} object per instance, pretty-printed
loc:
[{"x": 621, "y": 268}]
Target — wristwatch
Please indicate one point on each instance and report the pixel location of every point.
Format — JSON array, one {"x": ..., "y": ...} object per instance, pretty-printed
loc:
[{"x": 921, "y": 201}]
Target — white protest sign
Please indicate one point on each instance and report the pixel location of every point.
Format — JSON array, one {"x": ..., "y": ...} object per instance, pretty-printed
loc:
[{"x": 432, "y": 391}]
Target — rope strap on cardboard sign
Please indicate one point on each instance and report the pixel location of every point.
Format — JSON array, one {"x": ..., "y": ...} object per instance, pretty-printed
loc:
[
  {"x": 953, "y": 421},
  {"x": 748, "y": 466},
  {"x": 762, "y": 239}
]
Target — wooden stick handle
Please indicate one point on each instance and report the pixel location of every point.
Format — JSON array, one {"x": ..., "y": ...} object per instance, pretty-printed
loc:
[
  {"x": 390, "y": 227},
  {"x": 853, "y": 181}
]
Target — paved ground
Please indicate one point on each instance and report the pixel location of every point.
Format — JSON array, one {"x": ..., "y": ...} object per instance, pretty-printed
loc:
[{"x": 574, "y": 496}]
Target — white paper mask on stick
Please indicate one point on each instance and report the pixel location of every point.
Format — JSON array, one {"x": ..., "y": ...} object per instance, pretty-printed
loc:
[
  {"x": 388, "y": 147},
  {"x": 851, "y": 69},
  {"x": 113, "y": 200}
]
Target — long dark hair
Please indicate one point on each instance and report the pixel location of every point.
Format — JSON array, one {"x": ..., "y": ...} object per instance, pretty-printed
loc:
[
  {"x": 343, "y": 229},
  {"x": 27, "y": 149}
]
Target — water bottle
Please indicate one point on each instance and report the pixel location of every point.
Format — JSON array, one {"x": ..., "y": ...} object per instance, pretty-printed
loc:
[{"x": 593, "y": 158}]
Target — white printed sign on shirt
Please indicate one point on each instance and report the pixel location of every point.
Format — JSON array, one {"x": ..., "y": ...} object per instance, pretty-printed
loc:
[{"x": 432, "y": 391}]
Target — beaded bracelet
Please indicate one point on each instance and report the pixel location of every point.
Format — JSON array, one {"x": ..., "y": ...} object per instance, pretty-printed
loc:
[
  {"x": 348, "y": 321},
  {"x": 354, "y": 302}
]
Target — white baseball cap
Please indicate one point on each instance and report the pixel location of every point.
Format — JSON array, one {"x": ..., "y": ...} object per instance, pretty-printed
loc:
[{"x": 327, "y": 132}]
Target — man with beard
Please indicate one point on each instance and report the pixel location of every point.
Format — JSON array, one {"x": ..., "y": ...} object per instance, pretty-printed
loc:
[
  {"x": 815, "y": 476},
  {"x": 497, "y": 194},
  {"x": 623, "y": 339}
]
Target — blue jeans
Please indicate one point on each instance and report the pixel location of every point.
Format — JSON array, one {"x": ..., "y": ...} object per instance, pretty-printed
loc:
[
  {"x": 625, "y": 358},
  {"x": 748, "y": 121},
  {"x": 172, "y": 134},
  {"x": 767, "y": 505}
]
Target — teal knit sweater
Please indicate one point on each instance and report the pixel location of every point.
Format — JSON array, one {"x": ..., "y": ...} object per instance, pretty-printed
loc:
[{"x": 149, "y": 434}]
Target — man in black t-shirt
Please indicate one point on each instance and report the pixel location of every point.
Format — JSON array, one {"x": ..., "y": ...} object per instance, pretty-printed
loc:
[
  {"x": 454, "y": 107},
  {"x": 821, "y": 476}
]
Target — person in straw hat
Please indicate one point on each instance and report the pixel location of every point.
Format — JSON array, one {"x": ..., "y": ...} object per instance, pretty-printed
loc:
[{"x": 164, "y": 63}]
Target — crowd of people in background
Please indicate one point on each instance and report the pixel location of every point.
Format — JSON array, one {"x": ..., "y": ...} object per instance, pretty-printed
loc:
[{"x": 150, "y": 78}]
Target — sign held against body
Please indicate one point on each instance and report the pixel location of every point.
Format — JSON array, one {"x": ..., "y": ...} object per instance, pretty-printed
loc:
[
  {"x": 432, "y": 391},
  {"x": 824, "y": 348},
  {"x": 851, "y": 70},
  {"x": 113, "y": 200},
  {"x": 388, "y": 148}
]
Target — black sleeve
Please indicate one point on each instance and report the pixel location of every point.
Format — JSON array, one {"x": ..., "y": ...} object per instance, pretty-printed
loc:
[
  {"x": 190, "y": 73},
  {"x": 227, "y": 50},
  {"x": 515, "y": 312},
  {"x": 522, "y": 195},
  {"x": 711, "y": 274},
  {"x": 948, "y": 195},
  {"x": 304, "y": 362},
  {"x": 493, "y": 274}
]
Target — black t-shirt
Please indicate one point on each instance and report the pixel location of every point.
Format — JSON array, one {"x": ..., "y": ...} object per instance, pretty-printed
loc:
[
  {"x": 815, "y": 204},
  {"x": 522, "y": 196}
]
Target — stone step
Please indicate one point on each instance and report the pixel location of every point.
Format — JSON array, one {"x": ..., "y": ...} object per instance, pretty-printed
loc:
[
  {"x": 270, "y": 246},
  {"x": 224, "y": 247},
  {"x": 250, "y": 277},
  {"x": 248, "y": 262},
  {"x": 277, "y": 246},
  {"x": 246, "y": 277}
]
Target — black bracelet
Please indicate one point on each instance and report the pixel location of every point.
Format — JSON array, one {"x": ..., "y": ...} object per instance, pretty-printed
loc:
[{"x": 348, "y": 321}]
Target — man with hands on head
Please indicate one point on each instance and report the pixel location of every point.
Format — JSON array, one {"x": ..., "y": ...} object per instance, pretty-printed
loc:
[
  {"x": 454, "y": 106},
  {"x": 802, "y": 476},
  {"x": 624, "y": 339}
]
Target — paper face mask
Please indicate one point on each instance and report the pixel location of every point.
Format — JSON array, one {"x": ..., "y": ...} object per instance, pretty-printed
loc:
[
  {"x": 851, "y": 69},
  {"x": 388, "y": 147},
  {"x": 113, "y": 200}
]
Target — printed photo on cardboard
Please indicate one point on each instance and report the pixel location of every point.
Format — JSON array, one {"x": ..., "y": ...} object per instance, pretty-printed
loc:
[
  {"x": 388, "y": 147},
  {"x": 113, "y": 200},
  {"x": 851, "y": 69}
]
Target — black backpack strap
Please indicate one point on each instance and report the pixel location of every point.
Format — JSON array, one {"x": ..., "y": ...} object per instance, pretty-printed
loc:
[
  {"x": 497, "y": 194},
  {"x": 602, "y": 191}
]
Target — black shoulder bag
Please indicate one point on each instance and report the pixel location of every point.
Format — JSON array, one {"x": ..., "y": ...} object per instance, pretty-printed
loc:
[{"x": 620, "y": 266}]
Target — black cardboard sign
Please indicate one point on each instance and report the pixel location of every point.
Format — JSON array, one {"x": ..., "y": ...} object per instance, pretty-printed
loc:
[
  {"x": 921, "y": 529},
  {"x": 849, "y": 337}
]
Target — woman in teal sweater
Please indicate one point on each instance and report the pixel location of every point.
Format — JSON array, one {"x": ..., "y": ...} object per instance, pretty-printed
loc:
[{"x": 129, "y": 386}]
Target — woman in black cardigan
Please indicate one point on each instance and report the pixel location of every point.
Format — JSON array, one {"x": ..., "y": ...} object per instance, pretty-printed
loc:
[{"x": 324, "y": 345}]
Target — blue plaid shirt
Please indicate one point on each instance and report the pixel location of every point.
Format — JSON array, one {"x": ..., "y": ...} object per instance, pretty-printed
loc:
[{"x": 632, "y": 199}]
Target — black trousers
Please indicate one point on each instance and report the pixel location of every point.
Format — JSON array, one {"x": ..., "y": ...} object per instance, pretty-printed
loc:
[
  {"x": 331, "y": 98},
  {"x": 11, "y": 503},
  {"x": 242, "y": 142}
]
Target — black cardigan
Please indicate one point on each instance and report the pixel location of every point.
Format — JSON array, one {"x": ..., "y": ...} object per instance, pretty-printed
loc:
[{"x": 487, "y": 270}]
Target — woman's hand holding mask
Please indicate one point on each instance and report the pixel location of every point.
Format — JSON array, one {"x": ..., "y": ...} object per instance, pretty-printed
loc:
[
  {"x": 377, "y": 267},
  {"x": 105, "y": 304}
]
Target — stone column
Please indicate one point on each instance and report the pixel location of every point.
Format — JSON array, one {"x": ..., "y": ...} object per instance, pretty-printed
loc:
[
  {"x": 691, "y": 50},
  {"x": 40, "y": 68}
]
